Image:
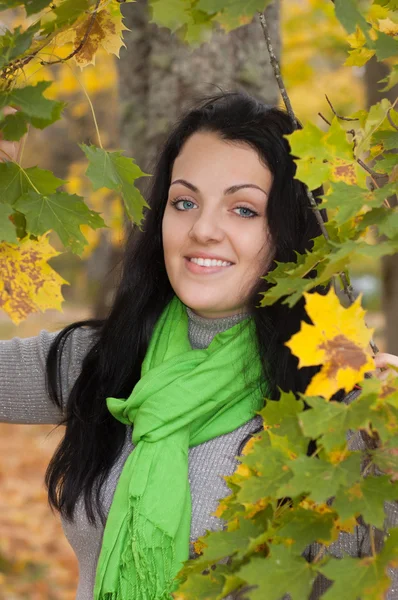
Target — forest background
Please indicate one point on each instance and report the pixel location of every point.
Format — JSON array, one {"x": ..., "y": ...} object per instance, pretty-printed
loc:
[{"x": 312, "y": 45}]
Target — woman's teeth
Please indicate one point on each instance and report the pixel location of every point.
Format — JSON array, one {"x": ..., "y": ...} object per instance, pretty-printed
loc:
[{"x": 210, "y": 262}]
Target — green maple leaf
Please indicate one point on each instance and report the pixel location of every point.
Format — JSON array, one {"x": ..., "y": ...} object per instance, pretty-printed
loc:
[
  {"x": 316, "y": 152},
  {"x": 10, "y": 182},
  {"x": 14, "y": 43},
  {"x": 173, "y": 14},
  {"x": 391, "y": 79},
  {"x": 384, "y": 409},
  {"x": 336, "y": 141},
  {"x": 289, "y": 286},
  {"x": 220, "y": 544},
  {"x": 34, "y": 6},
  {"x": 61, "y": 212},
  {"x": 117, "y": 172},
  {"x": 280, "y": 573},
  {"x": 200, "y": 587},
  {"x": 271, "y": 466},
  {"x": 30, "y": 100},
  {"x": 15, "y": 181},
  {"x": 14, "y": 126},
  {"x": 386, "y": 457},
  {"x": 282, "y": 419},
  {"x": 10, "y": 4},
  {"x": 349, "y": 16},
  {"x": 371, "y": 122},
  {"x": 330, "y": 421},
  {"x": 390, "y": 4},
  {"x": 385, "y": 219},
  {"x": 351, "y": 251},
  {"x": 385, "y": 46},
  {"x": 366, "y": 498},
  {"x": 371, "y": 580},
  {"x": 389, "y": 139},
  {"x": 320, "y": 479},
  {"x": 302, "y": 527},
  {"x": 387, "y": 163},
  {"x": 33, "y": 108},
  {"x": 348, "y": 200},
  {"x": 289, "y": 278},
  {"x": 7, "y": 229},
  {"x": 308, "y": 141}
]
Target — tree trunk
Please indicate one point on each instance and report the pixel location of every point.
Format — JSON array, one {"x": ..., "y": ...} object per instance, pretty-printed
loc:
[
  {"x": 159, "y": 77},
  {"x": 374, "y": 72}
]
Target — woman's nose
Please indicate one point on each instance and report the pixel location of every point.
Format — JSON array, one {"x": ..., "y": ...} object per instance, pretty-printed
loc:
[{"x": 207, "y": 228}]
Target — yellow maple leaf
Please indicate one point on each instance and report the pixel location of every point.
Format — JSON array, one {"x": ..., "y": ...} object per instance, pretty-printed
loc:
[
  {"x": 28, "y": 283},
  {"x": 338, "y": 340},
  {"x": 106, "y": 31}
]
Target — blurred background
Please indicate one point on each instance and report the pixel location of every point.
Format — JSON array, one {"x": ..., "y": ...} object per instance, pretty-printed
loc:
[{"x": 136, "y": 99}]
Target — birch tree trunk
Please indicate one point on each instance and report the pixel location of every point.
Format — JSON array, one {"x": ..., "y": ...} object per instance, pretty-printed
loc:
[{"x": 159, "y": 77}]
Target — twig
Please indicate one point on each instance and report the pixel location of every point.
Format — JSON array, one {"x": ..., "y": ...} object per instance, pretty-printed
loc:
[
  {"x": 390, "y": 119},
  {"x": 277, "y": 71},
  {"x": 369, "y": 170},
  {"x": 82, "y": 41},
  {"x": 319, "y": 554},
  {"x": 324, "y": 118},
  {"x": 348, "y": 290},
  {"x": 339, "y": 116}
]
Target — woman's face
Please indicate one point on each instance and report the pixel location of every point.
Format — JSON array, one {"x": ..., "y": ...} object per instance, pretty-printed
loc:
[{"x": 216, "y": 211}]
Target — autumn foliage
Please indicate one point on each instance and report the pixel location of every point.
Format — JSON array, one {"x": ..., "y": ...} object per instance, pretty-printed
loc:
[{"x": 355, "y": 157}]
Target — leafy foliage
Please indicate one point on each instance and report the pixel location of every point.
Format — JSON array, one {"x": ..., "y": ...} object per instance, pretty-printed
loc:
[{"x": 283, "y": 497}]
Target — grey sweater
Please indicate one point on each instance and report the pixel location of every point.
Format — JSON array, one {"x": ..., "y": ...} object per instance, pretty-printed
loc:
[{"x": 24, "y": 399}]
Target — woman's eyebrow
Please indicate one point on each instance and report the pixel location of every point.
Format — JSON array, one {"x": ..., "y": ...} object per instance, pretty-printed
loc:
[{"x": 230, "y": 190}]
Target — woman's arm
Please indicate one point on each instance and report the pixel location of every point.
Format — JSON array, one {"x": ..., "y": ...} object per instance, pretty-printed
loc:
[{"x": 23, "y": 391}]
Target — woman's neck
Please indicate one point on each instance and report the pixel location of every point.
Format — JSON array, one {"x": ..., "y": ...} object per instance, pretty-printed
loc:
[{"x": 201, "y": 330}]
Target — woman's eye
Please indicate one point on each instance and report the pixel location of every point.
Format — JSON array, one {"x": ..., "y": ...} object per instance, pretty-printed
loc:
[
  {"x": 183, "y": 204},
  {"x": 245, "y": 212}
]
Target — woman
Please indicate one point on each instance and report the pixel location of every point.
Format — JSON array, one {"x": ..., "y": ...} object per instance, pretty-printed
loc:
[{"x": 184, "y": 359}]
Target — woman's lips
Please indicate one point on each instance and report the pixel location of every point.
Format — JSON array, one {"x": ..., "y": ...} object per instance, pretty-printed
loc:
[{"x": 199, "y": 270}]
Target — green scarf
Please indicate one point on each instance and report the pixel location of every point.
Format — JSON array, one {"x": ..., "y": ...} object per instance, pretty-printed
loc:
[{"x": 184, "y": 398}]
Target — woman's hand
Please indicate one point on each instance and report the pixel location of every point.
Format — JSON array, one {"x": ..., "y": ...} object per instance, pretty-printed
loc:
[
  {"x": 10, "y": 150},
  {"x": 386, "y": 364}
]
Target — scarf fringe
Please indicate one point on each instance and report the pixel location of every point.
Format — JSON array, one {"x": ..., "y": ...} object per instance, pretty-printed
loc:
[{"x": 146, "y": 569}]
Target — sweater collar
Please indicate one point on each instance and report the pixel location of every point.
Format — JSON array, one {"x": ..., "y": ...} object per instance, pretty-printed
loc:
[{"x": 201, "y": 330}]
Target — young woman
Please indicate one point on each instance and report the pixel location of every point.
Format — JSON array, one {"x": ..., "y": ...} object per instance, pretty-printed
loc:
[{"x": 184, "y": 359}]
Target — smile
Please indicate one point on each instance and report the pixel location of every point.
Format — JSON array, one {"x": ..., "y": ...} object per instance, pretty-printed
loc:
[
  {"x": 206, "y": 265},
  {"x": 210, "y": 262}
]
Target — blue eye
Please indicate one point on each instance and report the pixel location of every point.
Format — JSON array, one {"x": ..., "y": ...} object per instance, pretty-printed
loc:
[
  {"x": 247, "y": 213},
  {"x": 186, "y": 204}
]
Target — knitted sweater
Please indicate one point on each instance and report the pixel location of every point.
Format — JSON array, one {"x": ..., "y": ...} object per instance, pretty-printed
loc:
[{"x": 24, "y": 399}]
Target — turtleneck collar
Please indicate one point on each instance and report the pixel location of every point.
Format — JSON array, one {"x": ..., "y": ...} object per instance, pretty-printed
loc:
[{"x": 201, "y": 330}]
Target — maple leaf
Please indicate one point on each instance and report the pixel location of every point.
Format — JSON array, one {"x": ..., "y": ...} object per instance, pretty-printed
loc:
[
  {"x": 7, "y": 229},
  {"x": 116, "y": 172},
  {"x": 280, "y": 573},
  {"x": 28, "y": 283},
  {"x": 106, "y": 31},
  {"x": 62, "y": 212},
  {"x": 366, "y": 498},
  {"x": 338, "y": 340},
  {"x": 371, "y": 580}
]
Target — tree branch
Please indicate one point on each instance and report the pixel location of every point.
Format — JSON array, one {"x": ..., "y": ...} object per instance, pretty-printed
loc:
[
  {"x": 277, "y": 71},
  {"x": 335, "y": 113}
]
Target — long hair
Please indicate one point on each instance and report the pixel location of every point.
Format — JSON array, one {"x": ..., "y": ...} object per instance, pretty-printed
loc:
[{"x": 93, "y": 438}]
